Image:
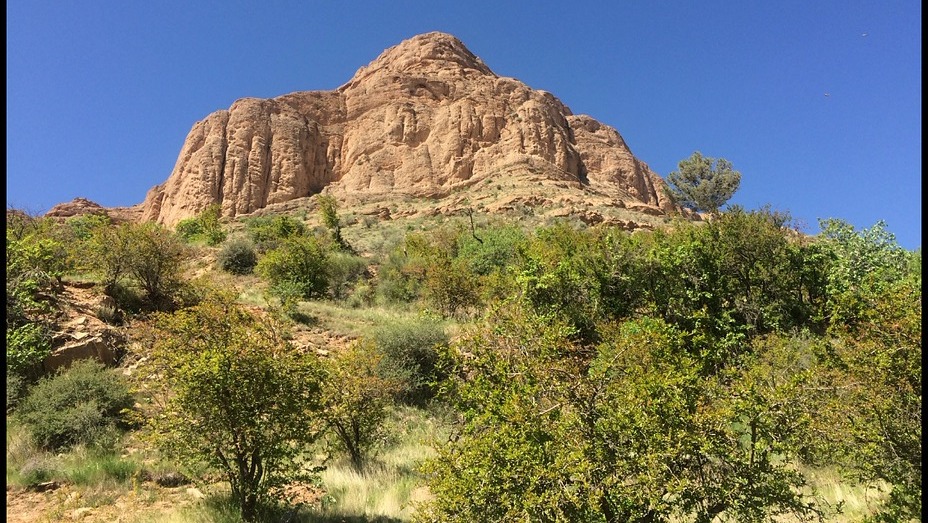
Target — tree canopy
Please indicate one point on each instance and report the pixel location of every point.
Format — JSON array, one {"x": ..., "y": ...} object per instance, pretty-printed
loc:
[{"x": 702, "y": 183}]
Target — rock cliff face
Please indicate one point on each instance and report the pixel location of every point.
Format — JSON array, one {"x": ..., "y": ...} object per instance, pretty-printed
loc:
[{"x": 427, "y": 118}]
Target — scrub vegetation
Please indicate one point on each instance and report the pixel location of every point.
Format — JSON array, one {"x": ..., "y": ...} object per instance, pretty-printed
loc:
[{"x": 726, "y": 370}]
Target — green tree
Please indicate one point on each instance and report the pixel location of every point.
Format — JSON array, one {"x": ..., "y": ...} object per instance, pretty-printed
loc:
[
  {"x": 237, "y": 255},
  {"x": 446, "y": 279},
  {"x": 878, "y": 393},
  {"x": 702, "y": 183},
  {"x": 240, "y": 399},
  {"x": 269, "y": 231},
  {"x": 344, "y": 269},
  {"x": 155, "y": 257},
  {"x": 35, "y": 262},
  {"x": 328, "y": 211},
  {"x": 859, "y": 262},
  {"x": 742, "y": 275},
  {"x": 356, "y": 400},
  {"x": 411, "y": 350},
  {"x": 300, "y": 263},
  {"x": 110, "y": 252},
  {"x": 629, "y": 431},
  {"x": 563, "y": 272}
]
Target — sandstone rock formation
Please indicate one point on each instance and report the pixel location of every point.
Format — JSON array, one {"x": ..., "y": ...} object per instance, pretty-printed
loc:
[
  {"x": 83, "y": 206},
  {"x": 426, "y": 119},
  {"x": 76, "y": 207}
]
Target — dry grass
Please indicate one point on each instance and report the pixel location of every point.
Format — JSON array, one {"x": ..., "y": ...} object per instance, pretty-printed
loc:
[{"x": 390, "y": 486}]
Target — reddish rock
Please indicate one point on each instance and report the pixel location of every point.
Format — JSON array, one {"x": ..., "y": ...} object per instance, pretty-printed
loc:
[{"x": 426, "y": 119}]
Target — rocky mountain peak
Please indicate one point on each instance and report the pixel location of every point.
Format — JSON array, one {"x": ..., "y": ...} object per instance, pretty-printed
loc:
[
  {"x": 429, "y": 53},
  {"x": 426, "y": 120}
]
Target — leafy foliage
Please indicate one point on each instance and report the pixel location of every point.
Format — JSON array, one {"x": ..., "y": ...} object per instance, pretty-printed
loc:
[
  {"x": 632, "y": 432},
  {"x": 204, "y": 227},
  {"x": 268, "y": 231},
  {"x": 147, "y": 253},
  {"x": 300, "y": 262},
  {"x": 156, "y": 256},
  {"x": 563, "y": 275},
  {"x": 879, "y": 384},
  {"x": 411, "y": 351},
  {"x": 344, "y": 270},
  {"x": 241, "y": 399},
  {"x": 702, "y": 183},
  {"x": 83, "y": 404},
  {"x": 446, "y": 279},
  {"x": 36, "y": 261},
  {"x": 237, "y": 256},
  {"x": 860, "y": 262},
  {"x": 27, "y": 346},
  {"x": 328, "y": 211},
  {"x": 356, "y": 400}
]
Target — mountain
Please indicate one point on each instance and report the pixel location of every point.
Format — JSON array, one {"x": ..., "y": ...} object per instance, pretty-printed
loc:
[{"x": 427, "y": 120}]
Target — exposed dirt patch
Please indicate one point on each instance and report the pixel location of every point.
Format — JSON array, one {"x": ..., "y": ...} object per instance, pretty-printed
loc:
[{"x": 67, "y": 503}]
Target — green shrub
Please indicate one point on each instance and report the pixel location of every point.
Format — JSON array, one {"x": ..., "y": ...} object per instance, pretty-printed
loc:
[
  {"x": 145, "y": 253},
  {"x": 299, "y": 262},
  {"x": 411, "y": 350},
  {"x": 15, "y": 388},
  {"x": 26, "y": 347},
  {"x": 188, "y": 229},
  {"x": 269, "y": 231},
  {"x": 361, "y": 296},
  {"x": 357, "y": 396},
  {"x": 240, "y": 399},
  {"x": 203, "y": 227},
  {"x": 399, "y": 280},
  {"x": 237, "y": 256},
  {"x": 157, "y": 256},
  {"x": 492, "y": 249},
  {"x": 344, "y": 269},
  {"x": 83, "y": 404}
]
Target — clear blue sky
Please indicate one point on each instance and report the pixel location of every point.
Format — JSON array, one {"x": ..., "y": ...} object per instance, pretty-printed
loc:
[{"x": 101, "y": 93}]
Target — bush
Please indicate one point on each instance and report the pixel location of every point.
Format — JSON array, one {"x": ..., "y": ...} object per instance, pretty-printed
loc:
[
  {"x": 15, "y": 387},
  {"x": 344, "y": 269},
  {"x": 26, "y": 347},
  {"x": 237, "y": 256},
  {"x": 84, "y": 404},
  {"x": 268, "y": 232},
  {"x": 299, "y": 262},
  {"x": 356, "y": 400},
  {"x": 156, "y": 259},
  {"x": 240, "y": 399},
  {"x": 147, "y": 252},
  {"x": 495, "y": 249},
  {"x": 203, "y": 227},
  {"x": 410, "y": 356},
  {"x": 398, "y": 280}
]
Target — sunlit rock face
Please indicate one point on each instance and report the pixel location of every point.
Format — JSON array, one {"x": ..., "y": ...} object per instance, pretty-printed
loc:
[{"x": 426, "y": 119}]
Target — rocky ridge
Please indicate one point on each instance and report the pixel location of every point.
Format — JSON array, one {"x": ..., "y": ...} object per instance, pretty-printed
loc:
[{"x": 425, "y": 120}]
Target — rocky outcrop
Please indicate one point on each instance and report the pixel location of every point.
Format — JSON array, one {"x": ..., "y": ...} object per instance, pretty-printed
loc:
[
  {"x": 94, "y": 347},
  {"x": 83, "y": 206},
  {"x": 427, "y": 118},
  {"x": 76, "y": 207}
]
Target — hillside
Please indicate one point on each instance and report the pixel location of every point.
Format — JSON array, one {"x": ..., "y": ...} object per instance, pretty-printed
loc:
[{"x": 434, "y": 294}]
